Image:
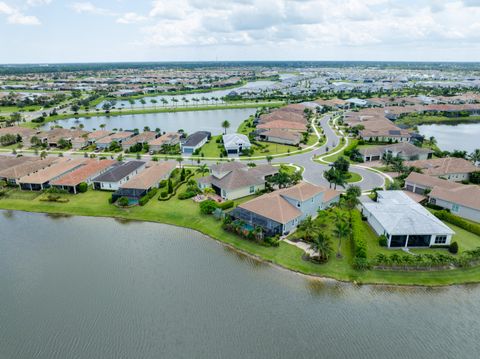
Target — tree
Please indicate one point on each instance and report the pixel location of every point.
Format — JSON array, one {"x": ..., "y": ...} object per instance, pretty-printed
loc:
[
  {"x": 15, "y": 117},
  {"x": 269, "y": 159},
  {"x": 341, "y": 230},
  {"x": 341, "y": 165},
  {"x": 225, "y": 126},
  {"x": 179, "y": 160},
  {"x": 475, "y": 156},
  {"x": 323, "y": 246},
  {"x": 63, "y": 143},
  {"x": 432, "y": 140},
  {"x": 202, "y": 169},
  {"x": 309, "y": 229},
  {"x": 43, "y": 155},
  {"x": 208, "y": 206}
]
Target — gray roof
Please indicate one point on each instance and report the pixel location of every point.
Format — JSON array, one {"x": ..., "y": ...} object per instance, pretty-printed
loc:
[
  {"x": 227, "y": 166},
  {"x": 195, "y": 138},
  {"x": 118, "y": 172},
  {"x": 398, "y": 214},
  {"x": 241, "y": 177}
]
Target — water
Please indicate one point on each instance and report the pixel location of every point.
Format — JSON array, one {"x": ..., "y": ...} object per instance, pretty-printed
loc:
[
  {"x": 187, "y": 99},
  {"x": 97, "y": 288},
  {"x": 190, "y": 121},
  {"x": 465, "y": 137}
]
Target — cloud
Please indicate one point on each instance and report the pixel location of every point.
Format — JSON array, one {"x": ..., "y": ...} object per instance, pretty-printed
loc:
[
  {"x": 38, "y": 2},
  {"x": 131, "y": 18},
  {"x": 89, "y": 8},
  {"x": 16, "y": 17}
]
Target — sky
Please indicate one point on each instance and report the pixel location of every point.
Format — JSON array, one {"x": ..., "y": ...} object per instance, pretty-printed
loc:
[{"x": 53, "y": 31}]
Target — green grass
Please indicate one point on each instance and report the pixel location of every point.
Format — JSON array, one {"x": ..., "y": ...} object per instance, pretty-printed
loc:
[
  {"x": 186, "y": 214},
  {"x": 353, "y": 177},
  {"x": 11, "y": 109}
]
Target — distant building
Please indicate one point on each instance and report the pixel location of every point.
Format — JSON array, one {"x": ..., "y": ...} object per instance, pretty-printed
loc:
[
  {"x": 404, "y": 150},
  {"x": 450, "y": 168}
]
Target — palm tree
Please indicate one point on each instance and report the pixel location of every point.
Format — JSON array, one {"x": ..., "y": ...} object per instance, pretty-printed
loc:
[
  {"x": 269, "y": 159},
  {"x": 143, "y": 102},
  {"x": 202, "y": 169},
  {"x": 341, "y": 230},
  {"x": 323, "y": 246},
  {"x": 432, "y": 140},
  {"x": 180, "y": 160},
  {"x": 154, "y": 102},
  {"x": 225, "y": 125},
  {"x": 308, "y": 228},
  {"x": 475, "y": 156}
]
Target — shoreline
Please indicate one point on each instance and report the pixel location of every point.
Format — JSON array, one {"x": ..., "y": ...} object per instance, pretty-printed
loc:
[{"x": 358, "y": 281}]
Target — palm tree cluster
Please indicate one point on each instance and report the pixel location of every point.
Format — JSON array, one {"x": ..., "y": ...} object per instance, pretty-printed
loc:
[
  {"x": 338, "y": 173},
  {"x": 311, "y": 232}
]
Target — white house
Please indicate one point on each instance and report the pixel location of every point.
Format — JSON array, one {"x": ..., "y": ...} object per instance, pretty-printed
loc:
[
  {"x": 118, "y": 175},
  {"x": 404, "y": 222},
  {"x": 235, "y": 143}
]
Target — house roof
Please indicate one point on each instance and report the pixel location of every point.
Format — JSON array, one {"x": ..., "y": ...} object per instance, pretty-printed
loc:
[
  {"x": 141, "y": 138},
  {"x": 430, "y": 181},
  {"x": 283, "y": 134},
  {"x": 84, "y": 173},
  {"x": 443, "y": 166},
  {"x": 115, "y": 137},
  {"x": 404, "y": 147},
  {"x": 166, "y": 138},
  {"x": 54, "y": 171},
  {"x": 151, "y": 176},
  {"x": 8, "y": 161},
  {"x": 195, "y": 138},
  {"x": 398, "y": 214},
  {"x": 282, "y": 124},
  {"x": 468, "y": 196},
  {"x": 235, "y": 139},
  {"x": 95, "y": 135},
  {"x": 239, "y": 176},
  {"x": 274, "y": 205},
  {"x": 302, "y": 191},
  {"x": 27, "y": 168},
  {"x": 227, "y": 166},
  {"x": 120, "y": 171}
]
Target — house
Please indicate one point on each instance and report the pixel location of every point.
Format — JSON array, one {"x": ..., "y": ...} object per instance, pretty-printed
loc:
[
  {"x": 167, "y": 139},
  {"x": 53, "y": 137},
  {"x": 404, "y": 222},
  {"x": 94, "y": 136},
  {"x": 12, "y": 174},
  {"x": 79, "y": 142},
  {"x": 283, "y": 125},
  {"x": 41, "y": 180},
  {"x": 144, "y": 182},
  {"x": 450, "y": 168},
  {"x": 422, "y": 184},
  {"x": 235, "y": 143},
  {"x": 232, "y": 180},
  {"x": 281, "y": 211},
  {"x": 195, "y": 141},
  {"x": 404, "y": 150},
  {"x": 24, "y": 133},
  {"x": 280, "y": 136},
  {"x": 11, "y": 161},
  {"x": 112, "y": 179},
  {"x": 463, "y": 201},
  {"x": 84, "y": 174},
  {"x": 119, "y": 137},
  {"x": 141, "y": 138}
]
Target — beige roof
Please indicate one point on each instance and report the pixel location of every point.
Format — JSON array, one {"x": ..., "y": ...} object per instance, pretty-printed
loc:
[
  {"x": 430, "y": 181},
  {"x": 52, "y": 172},
  {"x": 274, "y": 206},
  {"x": 90, "y": 169},
  {"x": 284, "y": 134},
  {"x": 141, "y": 138},
  {"x": 9, "y": 161},
  {"x": 27, "y": 168},
  {"x": 468, "y": 196},
  {"x": 330, "y": 194},
  {"x": 166, "y": 138},
  {"x": 302, "y": 191},
  {"x": 443, "y": 166},
  {"x": 281, "y": 124},
  {"x": 95, "y": 135},
  {"x": 151, "y": 176}
]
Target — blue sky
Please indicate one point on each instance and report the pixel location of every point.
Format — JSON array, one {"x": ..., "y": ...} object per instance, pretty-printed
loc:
[{"x": 37, "y": 31}]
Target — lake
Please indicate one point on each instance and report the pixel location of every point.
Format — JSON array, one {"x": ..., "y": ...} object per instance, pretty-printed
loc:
[
  {"x": 98, "y": 288},
  {"x": 204, "y": 98},
  {"x": 465, "y": 137},
  {"x": 190, "y": 121}
]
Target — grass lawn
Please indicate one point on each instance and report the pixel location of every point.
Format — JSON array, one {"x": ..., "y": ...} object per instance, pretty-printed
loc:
[
  {"x": 353, "y": 177},
  {"x": 412, "y": 120},
  {"x": 186, "y": 214},
  {"x": 11, "y": 109}
]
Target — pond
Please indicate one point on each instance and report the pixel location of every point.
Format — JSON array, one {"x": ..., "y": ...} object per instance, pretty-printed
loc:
[
  {"x": 465, "y": 137},
  {"x": 76, "y": 287},
  {"x": 190, "y": 121},
  {"x": 192, "y": 99}
]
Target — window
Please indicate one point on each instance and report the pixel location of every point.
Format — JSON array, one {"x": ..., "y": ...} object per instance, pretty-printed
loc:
[
  {"x": 440, "y": 239},
  {"x": 455, "y": 208},
  {"x": 252, "y": 189}
]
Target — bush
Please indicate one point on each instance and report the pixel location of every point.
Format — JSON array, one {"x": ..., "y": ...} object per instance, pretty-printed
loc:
[
  {"x": 208, "y": 206},
  {"x": 453, "y": 248},
  {"x": 360, "y": 263},
  {"x": 152, "y": 193},
  {"x": 163, "y": 194},
  {"x": 226, "y": 205},
  {"x": 382, "y": 241},
  {"x": 122, "y": 202},
  {"x": 187, "y": 195},
  {"x": 169, "y": 186},
  {"x": 359, "y": 245},
  {"x": 457, "y": 221},
  {"x": 144, "y": 200},
  {"x": 82, "y": 187},
  {"x": 163, "y": 184}
]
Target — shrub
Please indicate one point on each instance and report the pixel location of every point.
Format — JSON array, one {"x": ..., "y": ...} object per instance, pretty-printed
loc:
[
  {"x": 358, "y": 243},
  {"x": 382, "y": 241},
  {"x": 360, "y": 263},
  {"x": 187, "y": 195},
  {"x": 226, "y": 205},
  {"x": 152, "y": 193},
  {"x": 208, "y": 206},
  {"x": 163, "y": 194},
  {"x": 163, "y": 184},
  {"x": 453, "y": 248},
  {"x": 143, "y": 201},
  {"x": 169, "y": 186},
  {"x": 122, "y": 202},
  {"x": 457, "y": 221},
  {"x": 82, "y": 187}
]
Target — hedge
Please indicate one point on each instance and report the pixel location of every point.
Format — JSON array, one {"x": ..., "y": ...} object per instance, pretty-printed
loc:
[
  {"x": 165, "y": 196},
  {"x": 459, "y": 222},
  {"x": 226, "y": 205},
  {"x": 359, "y": 247}
]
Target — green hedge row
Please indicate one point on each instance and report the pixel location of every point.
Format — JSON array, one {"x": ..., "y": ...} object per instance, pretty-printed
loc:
[
  {"x": 164, "y": 196},
  {"x": 144, "y": 200},
  {"x": 359, "y": 247},
  {"x": 459, "y": 222}
]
